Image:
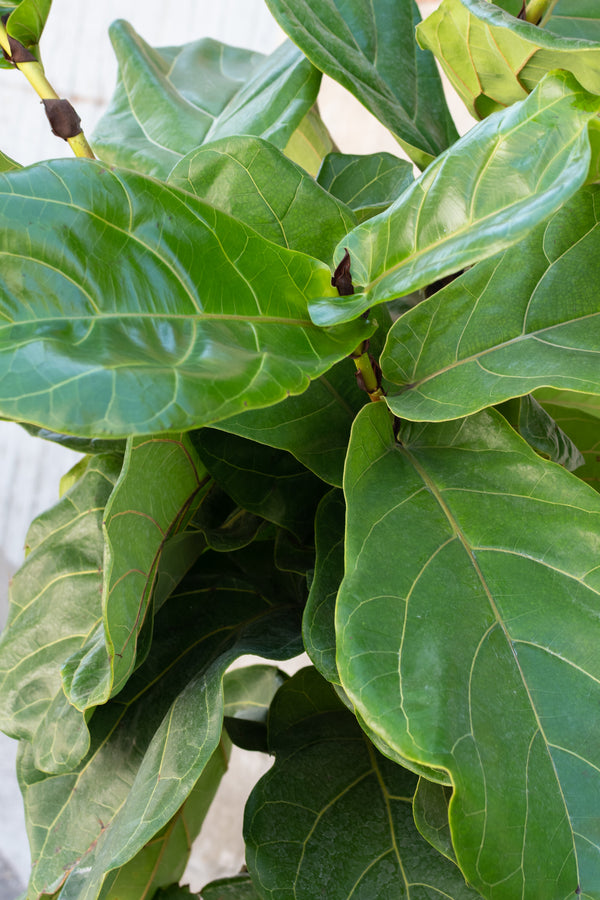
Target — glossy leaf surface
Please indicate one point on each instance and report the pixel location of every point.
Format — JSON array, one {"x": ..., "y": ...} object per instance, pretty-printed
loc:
[
  {"x": 335, "y": 813},
  {"x": 493, "y": 59},
  {"x": 55, "y": 604},
  {"x": 150, "y": 745},
  {"x": 477, "y": 198},
  {"x": 367, "y": 184},
  {"x": 468, "y": 613},
  {"x": 26, "y": 20},
  {"x": 170, "y": 100},
  {"x": 501, "y": 330},
  {"x": 160, "y": 480},
  {"x": 359, "y": 44},
  {"x": 253, "y": 181},
  {"x": 164, "y": 314}
]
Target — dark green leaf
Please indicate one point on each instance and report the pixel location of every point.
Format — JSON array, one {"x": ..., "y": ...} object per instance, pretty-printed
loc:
[
  {"x": 78, "y": 444},
  {"x": 541, "y": 431},
  {"x": 248, "y": 695},
  {"x": 253, "y": 181},
  {"x": 359, "y": 44},
  {"x": 55, "y": 603},
  {"x": 160, "y": 481},
  {"x": 159, "y": 313},
  {"x": 579, "y": 416},
  {"x": 477, "y": 198},
  {"x": 502, "y": 330},
  {"x": 333, "y": 818},
  {"x": 170, "y": 100},
  {"x": 150, "y": 744},
  {"x": 494, "y": 59},
  {"x": 468, "y": 629},
  {"x": 367, "y": 184},
  {"x": 430, "y": 809},
  {"x": 574, "y": 19},
  {"x": 238, "y": 888}
]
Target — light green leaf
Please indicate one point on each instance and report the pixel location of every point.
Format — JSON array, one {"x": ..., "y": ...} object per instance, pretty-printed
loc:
[
  {"x": 502, "y": 330},
  {"x": 7, "y": 164},
  {"x": 333, "y": 815},
  {"x": 541, "y": 431},
  {"x": 164, "y": 314},
  {"x": 309, "y": 143},
  {"x": 430, "y": 809},
  {"x": 477, "y": 198},
  {"x": 150, "y": 745},
  {"x": 170, "y": 100},
  {"x": 579, "y": 416},
  {"x": 359, "y": 44},
  {"x": 26, "y": 21},
  {"x": 54, "y": 606},
  {"x": 367, "y": 184},
  {"x": 573, "y": 18},
  {"x": 468, "y": 629},
  {"x": 492, "y": 59},
  {"x": 253, "y": 181},
  {"x": 158, "y": 486}
]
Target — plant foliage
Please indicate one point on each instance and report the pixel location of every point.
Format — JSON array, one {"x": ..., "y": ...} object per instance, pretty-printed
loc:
[{"x": 325, "y": 403}]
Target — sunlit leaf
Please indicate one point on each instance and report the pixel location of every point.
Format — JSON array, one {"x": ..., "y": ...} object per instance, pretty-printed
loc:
[
  {"x": 309, "y": 143},
  {"x": 477, "y": 198},
  {"x": 7, "y": 164},
  {"x": 468, "y": 629}
]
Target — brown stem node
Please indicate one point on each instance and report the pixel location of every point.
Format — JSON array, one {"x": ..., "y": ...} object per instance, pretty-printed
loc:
[{"x": 64, "y": 121}]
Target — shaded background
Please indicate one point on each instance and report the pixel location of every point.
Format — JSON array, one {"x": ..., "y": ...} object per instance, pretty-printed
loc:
[{"x": 81, "y": 67}]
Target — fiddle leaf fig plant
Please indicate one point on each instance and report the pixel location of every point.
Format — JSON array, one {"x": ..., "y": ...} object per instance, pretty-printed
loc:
[{"x": 327, "y": 403}]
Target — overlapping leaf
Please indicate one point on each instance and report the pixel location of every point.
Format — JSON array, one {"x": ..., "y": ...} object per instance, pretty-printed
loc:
[
  {"x": 359, "y": 43},
  {"x": 541, "y": 431},
  {"x": 150, "y": 745},
  {"x": 248, "y": 695},
  {"x": 170, "y": 100},
  {"x": 367, "y": 184},
  {"x": 25, "y": 23},
  {"x": 160, "y": 313},
  {"x": 494, "y": 59},
  {"x": 253, "y": 181},
  {"x": 334, "y": 813},
  {"x": 579, "y": 416},
  {"x": 468, "y": 629},
  {"x": 7, "y": 164},
  {"x": 501, "y": 329},
  {"x": 55, "y": 605},
  {"x": 160, "y": 480},
  {"x": 477, "y": 198},
  {"x": 238, "y": 888}
]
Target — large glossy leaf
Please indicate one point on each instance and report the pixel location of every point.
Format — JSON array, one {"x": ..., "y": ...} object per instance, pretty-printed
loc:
[
  {"x": 160, "y": 480},
  {"x": 333, "y": 818},
  {"x": 159, "y": 313},
  {"x": 359, "y": 44},
  {"x": 477, "y": 198},
  {"x": 55, "y": 602},
  {"x": 367, "y": 184},
  {"x": 253, "y": 181},
  {"x": 582, "y": 425},
  {"x": 541, "y": 431},
  {"x": 468, "y": 629},
  {"x": 494, "y": 59},
  {"x": 501, "y": 329},
  {"x": 150, "y": 745},
  {"x": 170, "y": 100}
]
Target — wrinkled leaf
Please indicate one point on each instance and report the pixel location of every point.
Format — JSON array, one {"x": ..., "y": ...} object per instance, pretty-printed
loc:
[
  {"x": 253, "y": 181},
  {"x": 493, "y": 59},
  {"x": 150, "y": 745},
  {"x": 159, "y": 483},
  {"x": 541, "y": 431},
  {"x": 54, "y": 605},
  {"x": 468, "y": 628},
  {"x": 359, "y": 44},
  {"x": 334, "y": 813},
  {"x": 160, "y": 313},
  {"x": 501, "y": 330},
  {"x": 170, "y": 100},
  {"x": 367, "y": 184},
  {"x": 581, "y": 425},
  {"x": 477, "y": 198}
]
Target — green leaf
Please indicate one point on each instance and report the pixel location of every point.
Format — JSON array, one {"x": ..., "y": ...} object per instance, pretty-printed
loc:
[
  {"x": 359, "y": 44},
  {"x": 318, "y": 622},
  {"x": 78, "y": 444},
  {"x": 238, "y": 888},
  {"x": 502, "y": 330},
  {"x": 150, "y": 745},
  {"x": 253, "y": 181},
  {"x": 309, "y": 143},
  {"x": 54, "y": 606},
  {"x": 170, "y": 100},
  {"x": 574, "y": 18},
  {"x": 541, "y": 431},
  {"x": 248, "y": 695},
  {"x": 333, "y": 815},
  {"x": 477, "y": 198},
  {"x": 468, "y": 628},
  {"x": 581, "y": 425},
  {"x": 200, "y": 319},
  {"x": 430, "y": 809},
  {"x": 7, "y": 164},
  {"x": 160, "y": 481},
  {"x": 26, "y": 21},
  {"x": 367, "y": 184},
  {"x": 493, "y": 59}
]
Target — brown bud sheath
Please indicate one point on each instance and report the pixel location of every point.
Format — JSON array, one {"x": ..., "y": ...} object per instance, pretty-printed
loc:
[
  {"x": 342, "y": 279},
  {"x": 64, "y": 121}
]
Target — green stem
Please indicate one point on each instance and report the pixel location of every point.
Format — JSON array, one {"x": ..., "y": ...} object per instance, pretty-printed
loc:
[
  {"x": 539, "y": 9},
  {"x": 362, "y": 361}
]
